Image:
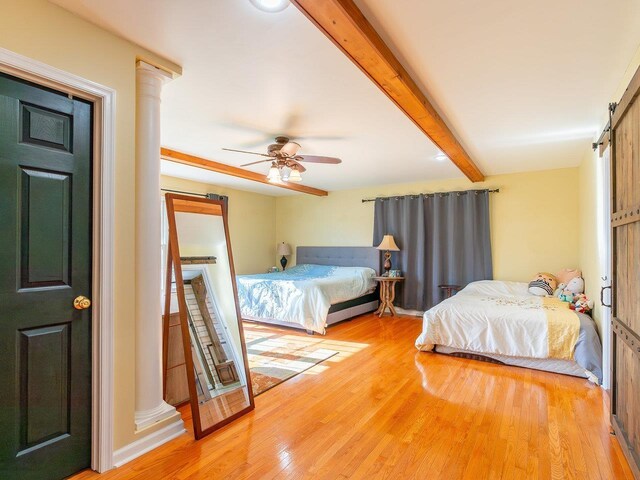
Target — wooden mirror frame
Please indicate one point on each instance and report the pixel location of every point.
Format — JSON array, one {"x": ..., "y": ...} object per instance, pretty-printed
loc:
[{"x": 176, "y": 203}]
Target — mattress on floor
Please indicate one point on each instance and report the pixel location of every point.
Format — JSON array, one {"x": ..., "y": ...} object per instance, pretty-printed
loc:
[
  {"x": 496, "y": 318},
  {"x": 565, "y": 367}
]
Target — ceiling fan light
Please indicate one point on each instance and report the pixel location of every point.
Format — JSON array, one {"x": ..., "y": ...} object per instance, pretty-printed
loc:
[
  {"x": 274, "y": 174},
  {"x": 270, "y": 6},
  {"x": 294, "y": 175}
]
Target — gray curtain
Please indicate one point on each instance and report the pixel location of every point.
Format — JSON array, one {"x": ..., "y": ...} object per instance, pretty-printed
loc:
[{"x": 444, "y": 238}]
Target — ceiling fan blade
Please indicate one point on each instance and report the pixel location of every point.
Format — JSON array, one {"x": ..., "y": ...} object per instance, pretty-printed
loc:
[
  {"x": 254, "y": 163},
  {"x": 290, "y": 149},
  {"x": 244, "y": 151},
  {"x": 317, "y": 159},
  {"x": 256, "y": 142},
  {"x": 238, "y": 124},
  {"x": 320, "y": 137}
]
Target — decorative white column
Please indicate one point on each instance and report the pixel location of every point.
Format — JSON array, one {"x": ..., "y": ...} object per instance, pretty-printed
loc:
[{"x": 150, "y": 406}]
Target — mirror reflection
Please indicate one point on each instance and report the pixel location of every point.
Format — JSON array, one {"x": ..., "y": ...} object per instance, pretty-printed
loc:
[{"x": 215, "y": 356}]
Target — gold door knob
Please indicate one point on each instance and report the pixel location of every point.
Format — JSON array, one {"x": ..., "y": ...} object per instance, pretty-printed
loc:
[{"x": 81, "y": 303}]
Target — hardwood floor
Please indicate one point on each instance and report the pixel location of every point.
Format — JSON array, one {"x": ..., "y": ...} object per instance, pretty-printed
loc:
[{"x": 380, "y": 409}]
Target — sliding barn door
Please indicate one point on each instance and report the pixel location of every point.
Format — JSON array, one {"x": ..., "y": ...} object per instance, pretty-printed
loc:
[{"x": 625, "y": 227}]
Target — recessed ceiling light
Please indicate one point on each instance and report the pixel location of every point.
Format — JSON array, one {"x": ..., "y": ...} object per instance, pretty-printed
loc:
[
  {"x": 271, "y": 6},
  {"x": 440, "y": 157}
]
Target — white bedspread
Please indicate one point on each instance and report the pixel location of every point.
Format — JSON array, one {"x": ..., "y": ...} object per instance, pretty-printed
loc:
[
  {"x": 302, "y": 294},
  {"x": 489, "y": 317}
]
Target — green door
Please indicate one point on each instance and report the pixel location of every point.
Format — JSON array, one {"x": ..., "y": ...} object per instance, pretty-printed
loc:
[{"x": 45, "y": 263}]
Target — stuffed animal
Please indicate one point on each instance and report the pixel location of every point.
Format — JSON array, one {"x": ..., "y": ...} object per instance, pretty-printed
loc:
[
  {"x": 567, "y": 274},
  {"x": 566, "y": 296},
  {"x": 575, "y": 286},
  {"x": 558, "y": 291},
  {"x": 572, "y": 291},
  {"x": 543, "y": 285},
  {"x": 563, "y": 294},
  {"x": 581, "y": 304}
]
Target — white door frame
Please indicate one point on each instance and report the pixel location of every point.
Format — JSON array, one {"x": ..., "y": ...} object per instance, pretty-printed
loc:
[
  {"x": 103, "y": 99},
  {"x": 604, "y": 227}
]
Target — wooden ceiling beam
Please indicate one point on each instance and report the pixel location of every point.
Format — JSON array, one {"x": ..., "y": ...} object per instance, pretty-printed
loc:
[
  {"x": 194, "y": 161},
  {"x": 346, "y": 26}
]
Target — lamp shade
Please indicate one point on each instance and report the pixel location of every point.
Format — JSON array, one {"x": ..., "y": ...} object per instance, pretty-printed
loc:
[
  {"x": 284, "y": 249},
  {"x": 274, "y": 174},
  {"x": 388, "y": 243},
  {"x": 294, "y": 175}
]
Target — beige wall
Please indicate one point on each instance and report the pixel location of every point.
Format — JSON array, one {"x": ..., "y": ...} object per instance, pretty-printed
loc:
[
  {"x": 591, "y": 251},
  {"x": 45, "y": 32},
  {"x": 591, "y": 191},
  {"x": 204, "y": 235},
  {"x": 251, "y": 223},
  {"x": 534, "y": 219}
]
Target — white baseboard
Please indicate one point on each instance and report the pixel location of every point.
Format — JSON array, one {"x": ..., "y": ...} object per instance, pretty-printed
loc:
[
  {"x": 415, "y": 313},
  {"x": 149, "y": 442}
]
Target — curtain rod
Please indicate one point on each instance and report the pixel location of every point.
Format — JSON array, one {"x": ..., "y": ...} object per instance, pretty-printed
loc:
[
  {"x": 463, "y": 192},
  {"x": 186, "y": 193}
]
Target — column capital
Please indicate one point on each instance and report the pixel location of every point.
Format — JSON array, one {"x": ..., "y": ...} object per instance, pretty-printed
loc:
[{"x": 146, "y": 68}]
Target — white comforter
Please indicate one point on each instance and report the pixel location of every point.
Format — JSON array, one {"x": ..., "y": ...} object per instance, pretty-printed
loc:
[
  {"x": 302, "y": 294},
  {"x": 489, "y": 317}
]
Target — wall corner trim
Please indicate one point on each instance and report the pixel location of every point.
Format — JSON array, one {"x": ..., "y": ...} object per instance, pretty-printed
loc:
[{"x": 149, "y": 442}]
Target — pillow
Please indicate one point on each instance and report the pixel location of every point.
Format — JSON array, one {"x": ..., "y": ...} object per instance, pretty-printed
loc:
[{"x": 543, "y": 285}]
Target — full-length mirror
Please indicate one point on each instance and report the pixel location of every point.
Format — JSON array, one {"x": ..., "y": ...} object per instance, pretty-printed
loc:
[{"x": 200, "y": 285}]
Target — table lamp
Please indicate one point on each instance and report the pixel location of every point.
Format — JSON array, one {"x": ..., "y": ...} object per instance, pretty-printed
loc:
[
  {"x": 284, "y": 249},
  {"x": 388, "y": 244}
]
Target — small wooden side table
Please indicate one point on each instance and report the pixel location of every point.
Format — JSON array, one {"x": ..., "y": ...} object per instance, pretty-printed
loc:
[
  {"x": 387, "y": 294},
  {"x": 449, "y": 290}
]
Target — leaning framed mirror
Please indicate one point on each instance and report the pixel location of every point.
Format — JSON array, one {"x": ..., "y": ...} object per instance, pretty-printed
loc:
[{"x": 200, "y": 284}]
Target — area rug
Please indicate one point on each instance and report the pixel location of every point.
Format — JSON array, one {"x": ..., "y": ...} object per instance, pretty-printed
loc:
[{"x": 276, "y": 357}]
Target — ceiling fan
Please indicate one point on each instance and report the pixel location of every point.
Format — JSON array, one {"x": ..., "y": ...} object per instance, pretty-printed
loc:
[{"x": 284, "y": 154}]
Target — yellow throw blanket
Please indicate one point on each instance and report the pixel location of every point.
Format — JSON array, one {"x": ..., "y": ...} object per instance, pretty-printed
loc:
[{"x": 564, "y": 328}]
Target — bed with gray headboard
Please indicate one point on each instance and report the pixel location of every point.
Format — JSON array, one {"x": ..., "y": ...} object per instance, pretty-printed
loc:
[{"x": 259, "y": 294}]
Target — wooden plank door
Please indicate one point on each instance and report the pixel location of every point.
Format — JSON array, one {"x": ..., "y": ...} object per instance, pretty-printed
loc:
[
  {"x": 625, "y": 228},
  {"x": 45, "y": 263}
]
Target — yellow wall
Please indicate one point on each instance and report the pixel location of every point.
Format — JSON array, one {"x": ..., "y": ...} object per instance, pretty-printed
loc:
[
  {"x": 42, "y": 31},
  {"x": 534, "y": 219},
  {"x": 251, "y": 223}
]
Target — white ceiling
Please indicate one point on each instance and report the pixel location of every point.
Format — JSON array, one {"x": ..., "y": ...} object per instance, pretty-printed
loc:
[{"x": 524, "y": 84}]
